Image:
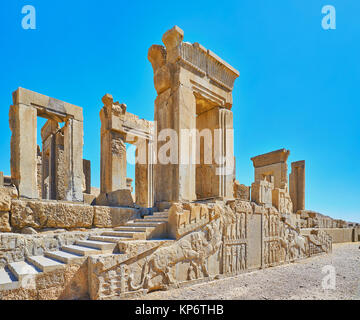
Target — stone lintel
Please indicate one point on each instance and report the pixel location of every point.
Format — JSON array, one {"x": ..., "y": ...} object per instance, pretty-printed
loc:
[
  {"x": 298, "y": 164},
  {"x": 115, "y": 118},
  {"x": 277, "y": 156},
  {"x": 49, "y": 127},
  {"x": 47, "y": 105}
]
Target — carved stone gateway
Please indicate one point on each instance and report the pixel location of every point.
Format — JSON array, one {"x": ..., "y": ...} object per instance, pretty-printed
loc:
[
  {"x": 194, "y": 88},
  {"x": 27, "y": 105},
  {"x": 119, "y": 127}
]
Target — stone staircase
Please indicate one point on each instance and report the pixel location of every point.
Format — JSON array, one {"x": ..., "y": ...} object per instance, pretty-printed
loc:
[{"x": 150, "y": 227}]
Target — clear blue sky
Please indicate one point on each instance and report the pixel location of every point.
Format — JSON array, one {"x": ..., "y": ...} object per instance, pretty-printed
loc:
[{"x": 298, "y": 86}]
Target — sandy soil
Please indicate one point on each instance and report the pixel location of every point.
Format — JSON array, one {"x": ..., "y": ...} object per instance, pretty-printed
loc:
[{"x": 300, "y": 280}]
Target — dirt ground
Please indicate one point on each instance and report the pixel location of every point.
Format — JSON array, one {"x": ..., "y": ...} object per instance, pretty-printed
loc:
[{"x": 300, "y": 280}]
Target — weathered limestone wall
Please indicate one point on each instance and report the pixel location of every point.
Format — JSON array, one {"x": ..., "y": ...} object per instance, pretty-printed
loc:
[
  {"x": 50, "y": 214},
  {"x": 312, "y": 219},
  {"x": 109, "y": 217},
  {"x": 16, "y": 215},
  {"x": 241, "y": 191},
  {"x": 338, "y": 235},
  {"x": 7, "y": 194}
]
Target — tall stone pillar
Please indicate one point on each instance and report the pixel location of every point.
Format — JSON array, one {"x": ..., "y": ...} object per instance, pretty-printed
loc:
[
  {"x": 175, "y": 111},
  {"x": 113, "y": 149},
  {"x": 23, "y": 160},
  {"x": 297, "y": 185},
  {"x": 144, "y": 188},
  {"x": 60, "y": 172},
  {"x": 73, "y": 156},
  {"x": 48, "y": 137}
]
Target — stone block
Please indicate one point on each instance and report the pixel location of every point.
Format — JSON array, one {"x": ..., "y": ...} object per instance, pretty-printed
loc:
[
  {"x": 121, "y": 197},
  {"x": 5, "y": 222},
  {"x": 48, "y": 214},
  {"x": 241, "y": 191},
  {"x": 6, "y": 195},
  {"x": 109, "y": 217},
  {"x": 89, "y": 198}
]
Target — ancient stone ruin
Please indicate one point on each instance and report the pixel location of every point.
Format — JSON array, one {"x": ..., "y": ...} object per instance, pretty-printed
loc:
[{"x": 188, "y": 220}]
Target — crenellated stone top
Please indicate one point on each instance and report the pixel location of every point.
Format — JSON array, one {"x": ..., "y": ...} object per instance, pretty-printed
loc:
[
  {"x": 194, "y": 55},
  {"x": 115, "y": 117}
]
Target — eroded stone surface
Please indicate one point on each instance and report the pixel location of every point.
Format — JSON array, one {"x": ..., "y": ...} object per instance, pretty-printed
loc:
[
  {"x": 68, "y": 284},
  {"x": 6, "y": 195},
  {"x": 5, "y": 222},
  {"x": 15, "y": 247},
  {"x": 42, "y": 214},
  {"x": 109, "y": 217}
]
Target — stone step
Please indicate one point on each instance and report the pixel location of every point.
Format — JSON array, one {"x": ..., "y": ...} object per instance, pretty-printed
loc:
[
  {"x": 131, "y": 228},
  {"x": 65, "y": 257},
  {"x": 45, "y": 264},
  {"x": 160, "y": 214},
  {"x": 145, "y": 224},
  {"x": 7, "y": 280},
  {"x": 159, "y": 217},
  {"x": 109, "y": 238},
  {"x": 83, "y": 251},
  {"x": 21, "y": 269},
  {"x": 119, "y": 233},
  {"x": 97, "y": 244},
  {"x": 151, "y": 218}
]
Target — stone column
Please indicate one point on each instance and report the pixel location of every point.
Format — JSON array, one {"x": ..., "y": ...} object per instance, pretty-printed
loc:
[
  {"x": 113, "y": 148},
  {"x": 23, "y": 161},
  {"x": 87, "y": 176},
  {"x": 60, "y": 172},
  {"x": 48, "y": 132},
  {"x": 297, "y": 185},
  {"x": 73, "y": 145},
  {"x": 113, "y": 161},
  {"x": 144, "y": 192},
  {"x": 175, "y": 111}
]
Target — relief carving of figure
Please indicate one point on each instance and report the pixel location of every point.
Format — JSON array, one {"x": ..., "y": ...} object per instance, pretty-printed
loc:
[
  {"x": 266, "y": 226},
  {"x": 195, "y": 247},
  {"x": 243, "y": 225}
]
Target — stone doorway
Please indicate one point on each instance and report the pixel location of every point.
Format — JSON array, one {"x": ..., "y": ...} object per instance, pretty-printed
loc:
[{"x": 27, "y": 106}]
